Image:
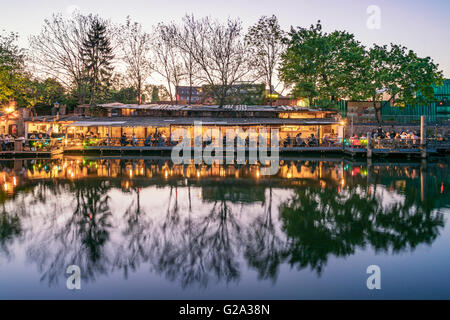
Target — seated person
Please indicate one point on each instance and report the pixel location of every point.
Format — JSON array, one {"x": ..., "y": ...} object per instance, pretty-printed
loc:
[
  {"x": 123, "y": 140},
  {"x": 161, "y": 141},
  {"x": 134, "y": 140},
  {"x": 299, "y": 141},
  {"x": 312, "y": 141},
  {"x": 148, "y": 140},
  {"x": 287, "y": 141},
  {"x": 327, "y": 141}
]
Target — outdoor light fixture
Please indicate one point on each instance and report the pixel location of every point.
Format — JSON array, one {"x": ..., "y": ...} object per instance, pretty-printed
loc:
[{"x": 9, "y": 110}]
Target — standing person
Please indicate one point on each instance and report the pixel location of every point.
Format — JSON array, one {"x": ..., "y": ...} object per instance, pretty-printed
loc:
[
  {"x": 161, "y": 141},
  {"x": 415, "y": 138},
  {"x": 134, "y": 140},
  {"x": 108, "y": 140},
  {"x": 6, "y": 142}
]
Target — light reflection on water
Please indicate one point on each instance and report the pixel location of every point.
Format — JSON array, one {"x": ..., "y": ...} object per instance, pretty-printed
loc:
[{"x": 150, "y": 229}]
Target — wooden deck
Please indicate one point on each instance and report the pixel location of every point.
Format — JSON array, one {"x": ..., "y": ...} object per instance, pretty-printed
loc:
[
  {"x": 166, "y": 150},
  {"x": 283, "y": 150},
  {"x": 29, "y": 154}
]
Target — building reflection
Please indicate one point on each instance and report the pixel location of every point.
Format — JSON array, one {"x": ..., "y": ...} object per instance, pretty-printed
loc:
[{"x": 198, "y": 225}]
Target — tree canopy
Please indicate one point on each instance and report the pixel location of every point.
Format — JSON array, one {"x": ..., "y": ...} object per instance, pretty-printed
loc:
[{"x": 86, "y": 59}]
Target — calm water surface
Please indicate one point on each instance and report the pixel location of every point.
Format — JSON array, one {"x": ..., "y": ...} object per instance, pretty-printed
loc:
[{"x": 145, "y": 228}]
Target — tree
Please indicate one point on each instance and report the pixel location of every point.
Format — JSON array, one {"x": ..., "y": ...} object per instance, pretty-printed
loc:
[
  {"x": 167, "y": 57},
  {"x": 97, "y": 56},
  {"x": 57, "y": 51},
  {"x": 190, "y": 66},
  {"x": 219, "y": 52},
  {"x": 398, "y": 74},
  {"x": 12, "y": 65},
  {"x": 265, "y": 43},
  {"x": 135, "y": 45},
  {"x": 321, "y": 65},
  {"x": 42, "y": 93},
  {"x": 155, "y": 96},
  {"x": 119, "y": 90}
]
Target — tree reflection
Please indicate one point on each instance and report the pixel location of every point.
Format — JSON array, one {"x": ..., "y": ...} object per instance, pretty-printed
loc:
[
  {"x": 320, "y": 223},
  {"x": 196, "y": 250},
  {"x": 80, "y": 239},
  {"x": 196, "y": 241},
  {"x": 133, "y": 251},
  {"x": 264, "y": 245},
  {"x": 10, "y": 228}
]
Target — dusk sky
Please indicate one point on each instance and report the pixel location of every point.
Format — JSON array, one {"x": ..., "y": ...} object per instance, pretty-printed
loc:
[{"x": 423, "y": 26}]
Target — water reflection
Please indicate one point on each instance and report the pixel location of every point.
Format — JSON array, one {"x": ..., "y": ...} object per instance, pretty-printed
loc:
[{"x": 197, "y": 225}]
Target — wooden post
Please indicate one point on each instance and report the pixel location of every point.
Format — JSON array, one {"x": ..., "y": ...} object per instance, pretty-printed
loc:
[
  {"x": 18, "y": 145},
  {"x": 422, "y": 179},
  {"x": 423, "y": 137},
  {"x": 369, "y": 147}
]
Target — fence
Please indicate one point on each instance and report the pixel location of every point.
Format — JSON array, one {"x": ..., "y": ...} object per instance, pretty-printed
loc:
[{"x": 352, "y": 142}]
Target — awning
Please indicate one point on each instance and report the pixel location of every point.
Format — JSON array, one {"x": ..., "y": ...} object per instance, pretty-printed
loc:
[{"x": 94, "y": 123}]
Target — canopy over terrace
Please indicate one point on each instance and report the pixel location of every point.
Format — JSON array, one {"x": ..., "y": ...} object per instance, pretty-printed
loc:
[{"x": 144, "y": 126}]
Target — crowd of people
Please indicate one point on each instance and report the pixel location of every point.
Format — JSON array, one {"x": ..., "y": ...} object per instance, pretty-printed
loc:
[
  {"x": 7, "y": 142},
  {"x": 310, "y": 141},
  {"x": 382, "y": 136},
  {"x": 157, "y": 139},
  {"x": 377, "y": 135},
  {"x": 34, "y": 141}
]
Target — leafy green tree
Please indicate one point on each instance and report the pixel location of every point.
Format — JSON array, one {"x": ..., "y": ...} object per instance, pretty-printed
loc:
[
  {"x": 98, "y": 55},
  {"x": 321, "y": 65},
  {"x": 155, "y": 95},
  {"x": 397, "y": 74},
  {"x": 46, "y": 92},
  {"x": 11, "y": 68}
]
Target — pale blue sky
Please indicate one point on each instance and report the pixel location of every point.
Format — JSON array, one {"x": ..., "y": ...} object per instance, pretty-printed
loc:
[{"x": 423, "y": 26}]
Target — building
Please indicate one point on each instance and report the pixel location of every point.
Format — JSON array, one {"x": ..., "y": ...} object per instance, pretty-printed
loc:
[
  {"x": 189, "y": 95},
  {"x": 141, "y": 120},
  {"x": 9, "y": 119},
  {"x": 239, "y": 93},
  {"x": 442, "y": 95},
  {"x": 435, "y": 112}
]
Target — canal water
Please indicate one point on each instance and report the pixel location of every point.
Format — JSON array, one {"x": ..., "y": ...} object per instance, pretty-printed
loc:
[{"x": 146, "y": 228}]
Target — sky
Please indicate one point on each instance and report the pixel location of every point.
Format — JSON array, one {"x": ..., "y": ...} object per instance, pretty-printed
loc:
[{"x": 423, "y": 26}]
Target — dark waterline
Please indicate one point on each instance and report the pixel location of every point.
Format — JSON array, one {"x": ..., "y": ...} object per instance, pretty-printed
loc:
[{"x": 145, "y": 228}]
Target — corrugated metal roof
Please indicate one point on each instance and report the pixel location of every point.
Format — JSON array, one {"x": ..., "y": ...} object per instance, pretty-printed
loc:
[
  {"x": 164, "y": 122},
  {"x": 209, "y": 107}
]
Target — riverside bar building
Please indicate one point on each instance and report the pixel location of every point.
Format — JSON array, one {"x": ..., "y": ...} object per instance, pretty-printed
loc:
[{"x": 115, "y": 119}]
